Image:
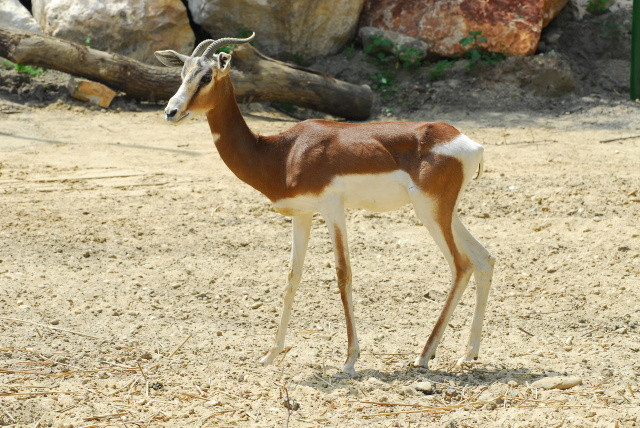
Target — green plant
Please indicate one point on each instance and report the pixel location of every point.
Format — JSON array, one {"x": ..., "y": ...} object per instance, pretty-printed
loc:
[
  {"x": 477, "y": 53},
  {"x": 87, "y": 41},
  {"x": 298, "y": 59},
  {"x": 384, "y": 51},
  {"x": 350, "y": 51},
  {"x": 285, "y": 107},
  {"x": 384, "y": 82},
  {"x": 226, "y": 49},
  {"x": 242, "y": 34},
  {"x": 473, "y": 37},
  {"x": 410, "y": 57},
  {"x": 28, "y": 69},
  {"x": 379, "y": 48},
  {"x": 440, "y": 68},
  {"x": 598, "y": 6}
]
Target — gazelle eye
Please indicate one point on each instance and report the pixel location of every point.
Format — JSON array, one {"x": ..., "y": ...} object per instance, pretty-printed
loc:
[{"x": 205, "y": 79}]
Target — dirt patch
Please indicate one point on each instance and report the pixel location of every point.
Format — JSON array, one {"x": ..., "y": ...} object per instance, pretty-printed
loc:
[{"x": 155, "y": 277}]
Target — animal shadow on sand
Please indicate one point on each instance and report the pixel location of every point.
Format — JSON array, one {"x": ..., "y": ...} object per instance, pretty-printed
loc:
[{"x": 442, "y": 381}]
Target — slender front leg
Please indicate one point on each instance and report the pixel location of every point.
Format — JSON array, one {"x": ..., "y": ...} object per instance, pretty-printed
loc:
[
  {"x": 300, "y": 239},
  {"x": 334, "y": 217}
]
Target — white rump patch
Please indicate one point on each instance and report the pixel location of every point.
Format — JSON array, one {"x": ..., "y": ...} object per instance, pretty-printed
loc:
[{"x": 465, "y": 150}]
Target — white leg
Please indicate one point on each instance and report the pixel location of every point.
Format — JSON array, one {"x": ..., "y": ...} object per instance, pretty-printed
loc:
[
  {"x": 334, "y": 217},
  {"x": 301, "y": 230},
  {"x": 438, "y": 220},
  {"x": 483, "y": 271}
]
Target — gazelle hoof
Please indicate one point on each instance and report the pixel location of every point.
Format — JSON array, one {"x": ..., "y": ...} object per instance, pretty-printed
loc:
[
  {"x": 350, "y": 370},
  {"x": 466, "y": 359},
  {"x": 268, "y": 359},
  {"x": 421, "y": 362}
]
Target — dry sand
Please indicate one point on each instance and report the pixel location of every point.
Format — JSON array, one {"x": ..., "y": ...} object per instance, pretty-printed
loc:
[{"x": 140, "y": 282}]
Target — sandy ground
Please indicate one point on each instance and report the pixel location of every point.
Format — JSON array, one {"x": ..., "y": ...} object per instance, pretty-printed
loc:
[{"x": 140, "y": 282}]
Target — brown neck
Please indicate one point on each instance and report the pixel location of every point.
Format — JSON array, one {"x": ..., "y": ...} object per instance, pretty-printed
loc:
[{"x": 236, "y": 143}]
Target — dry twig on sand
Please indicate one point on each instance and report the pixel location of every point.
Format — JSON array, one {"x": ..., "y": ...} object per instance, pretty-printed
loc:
[
  {"x": 49, "y": 327},
  {"x": 180, "y": 346},
  {"x": 611, "y": 140}
]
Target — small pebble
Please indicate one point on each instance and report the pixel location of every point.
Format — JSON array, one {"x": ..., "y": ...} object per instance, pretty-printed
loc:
[
  {"x": 423, "y": 387},
  {"x": 607, "y": 372},
  {"x": 557, "y": 382},
  {"x": 409, "y": 390},
  {"x": 55, "y": 322}
]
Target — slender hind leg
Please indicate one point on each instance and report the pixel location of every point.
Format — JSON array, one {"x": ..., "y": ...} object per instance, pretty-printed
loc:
[
  {"x": 334, "y": 217},
  {"x": 300, "y": 239},
  {"x": 483, "y": 271},
  {"x": 438, "y": 220}
]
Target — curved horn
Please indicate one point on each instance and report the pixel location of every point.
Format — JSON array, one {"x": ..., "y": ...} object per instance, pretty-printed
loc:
[
  {"x": 226, "y": 42},
  {"x": 201, "y": 47}
]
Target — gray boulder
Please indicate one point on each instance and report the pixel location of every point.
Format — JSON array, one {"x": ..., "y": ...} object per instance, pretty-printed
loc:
[
  {"x": 134, "y": 28},
  {"x": 14, "y": 15},
  {"x": 284, "y": 29}
]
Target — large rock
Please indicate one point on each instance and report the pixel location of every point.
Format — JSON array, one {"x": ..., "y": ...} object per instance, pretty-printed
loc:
[
  {"x": 511, "y": 27},
  {"x": 14, "y": 15},
  {"x": 285, "y": 28},
  {"x": 135, "y": 28}
]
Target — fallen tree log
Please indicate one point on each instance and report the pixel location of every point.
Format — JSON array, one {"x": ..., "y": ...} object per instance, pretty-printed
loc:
[{"x": 257, "y": 78}]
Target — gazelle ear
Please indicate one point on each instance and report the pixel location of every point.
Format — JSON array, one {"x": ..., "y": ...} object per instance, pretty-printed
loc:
[
  {"x": 224, "y": 59},
  {"x": 171, "y": 58}
]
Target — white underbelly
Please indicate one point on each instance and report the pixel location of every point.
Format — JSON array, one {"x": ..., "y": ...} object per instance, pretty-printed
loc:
[{"x": 373, "y": 192}]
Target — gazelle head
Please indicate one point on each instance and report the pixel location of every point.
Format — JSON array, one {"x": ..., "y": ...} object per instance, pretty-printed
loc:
[{"x": 200, "y": 73}]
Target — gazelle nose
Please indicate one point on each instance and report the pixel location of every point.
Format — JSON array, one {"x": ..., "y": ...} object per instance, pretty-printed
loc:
[{"x": 171, "y": 113}]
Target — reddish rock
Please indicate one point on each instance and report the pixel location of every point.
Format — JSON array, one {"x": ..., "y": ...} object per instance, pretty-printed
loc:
[
  {"x": 511, "y": 27},
  {"x": 94, "y": 92}
]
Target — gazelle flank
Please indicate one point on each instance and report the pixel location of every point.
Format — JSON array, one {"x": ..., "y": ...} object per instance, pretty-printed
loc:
[{"x": 321, "y": 166}]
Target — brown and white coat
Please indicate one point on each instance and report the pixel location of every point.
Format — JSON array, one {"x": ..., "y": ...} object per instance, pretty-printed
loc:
[{"x": 321, "y": 166}]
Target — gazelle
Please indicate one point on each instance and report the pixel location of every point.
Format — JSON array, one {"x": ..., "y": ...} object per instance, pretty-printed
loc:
[{"x": 320, "y": 166}]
